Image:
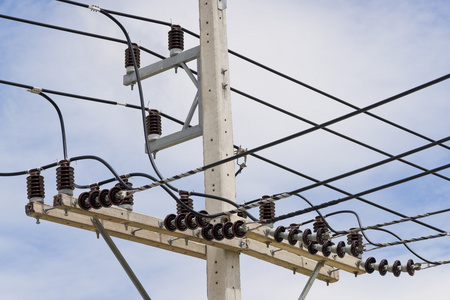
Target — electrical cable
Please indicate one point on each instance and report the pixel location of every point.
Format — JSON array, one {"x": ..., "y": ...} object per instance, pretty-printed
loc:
[
  {"x": 232, "y": 52},
  {"x": 401, "y": 241},
  {"x": 335, "y": 132},
  {"x": 365, "y": 168},
  {"x": 334, "y": 202},
  {"x": 300, "y": 133},
  {"x": 84, "y": 6},
  {"x": 253, "y": 154},
  {"x": 61, "y": 122},
  {"x": 77, "y": 32},
  {"x": 271, "y": 70},
  {"x": 363, "y": 229}
]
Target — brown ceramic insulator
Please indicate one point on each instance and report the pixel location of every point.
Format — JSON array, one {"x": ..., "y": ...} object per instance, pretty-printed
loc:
[
  {"x": 129, "y": 58},
  {"x": 176, "y": 37},
  {"x": 65, "y": 179},
  {"x": 186, "y": 200},
  {"x": 354, "y": 236},
  {"x": 153, "y": 122},
  {"x": 35, "y": 185},
  {"x": 266, "y": 211},
  {"x": 320, "y": 223},
  {"x": 128, "y": 199}
]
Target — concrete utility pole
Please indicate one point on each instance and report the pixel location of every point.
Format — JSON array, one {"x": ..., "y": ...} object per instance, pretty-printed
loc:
[{"x": 223, "y": 267}]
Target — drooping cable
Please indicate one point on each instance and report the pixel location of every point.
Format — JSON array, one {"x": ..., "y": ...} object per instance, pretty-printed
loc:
[
  {"x": 400, "y": 242},
  {"x": 253, "y": 154},
  {"x": 363, "y": 229},
  {"x": 231, "y": 52},
  {"x": 365, "y": 168},
  {"x": 300, "y": 133},
  {"x": 337, "y": 133},
  {"x": 334, "y": 202},
  {"x": 271, "y": 70},
  {"x": 61, "y": 122}
]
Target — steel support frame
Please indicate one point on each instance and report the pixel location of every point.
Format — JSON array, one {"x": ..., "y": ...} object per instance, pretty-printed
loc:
[{"x": 187, "y": 132}]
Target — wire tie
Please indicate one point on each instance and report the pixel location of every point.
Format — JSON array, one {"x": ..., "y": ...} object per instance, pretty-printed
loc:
[
  {"x": 94, "y": 8},
  {"x": 35, "y": 90}
]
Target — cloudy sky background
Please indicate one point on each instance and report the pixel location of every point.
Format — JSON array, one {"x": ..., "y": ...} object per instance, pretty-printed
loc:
[{"x": 359, "y": 51}]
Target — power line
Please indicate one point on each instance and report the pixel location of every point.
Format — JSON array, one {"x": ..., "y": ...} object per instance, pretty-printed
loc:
[
  {"x": 271, "y": 70},
  {"x": 337, "y": 133},
  {"x": 334, "y": 202}
]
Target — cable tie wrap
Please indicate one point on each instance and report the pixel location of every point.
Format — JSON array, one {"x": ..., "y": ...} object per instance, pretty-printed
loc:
[{"x": 94, "y": 8}]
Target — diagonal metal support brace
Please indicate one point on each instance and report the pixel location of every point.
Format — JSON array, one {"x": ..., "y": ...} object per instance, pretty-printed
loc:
[
  {"x": 311, "y": 280},
  {"x": 120, "y": 258}
]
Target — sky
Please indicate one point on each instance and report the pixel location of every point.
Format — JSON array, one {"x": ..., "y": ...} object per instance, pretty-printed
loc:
[{"x": 359, "y": 51}]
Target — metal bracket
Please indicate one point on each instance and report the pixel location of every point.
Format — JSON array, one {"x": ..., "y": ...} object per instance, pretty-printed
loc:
[
  {"x": 222, "y": 4},
  {"x": 187, "y": 132}
]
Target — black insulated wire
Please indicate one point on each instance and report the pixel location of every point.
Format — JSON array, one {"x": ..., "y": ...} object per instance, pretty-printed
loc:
[
  {"x": 337, "y": 133},
  {"x": 300, "y": 133},
  {"x": 123, "y": 41},
  {"x": 365, "y": 168},
  {"x": 335, "y": 202},
  {"x": 61, "y": 122},
  {"x": 271, "y": 70}
]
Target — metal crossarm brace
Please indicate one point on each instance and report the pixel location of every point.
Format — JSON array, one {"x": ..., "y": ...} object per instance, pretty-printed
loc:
[
  {"x": 179, "y": 60},
  {"x": 120, "y": 258}
]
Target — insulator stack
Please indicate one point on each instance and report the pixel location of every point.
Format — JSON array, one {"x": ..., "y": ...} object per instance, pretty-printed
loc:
[
  {"x": 35, "y": 186},
  {"x": 129, "y": 59},
  {"x": 184, "y": 197},
  {"x": 267, "y": 211},
  {"x": 354, "y": 236},
  {"x": 320, "y": 223},
  {"x": 153, "y": 122},
  {"x": 65, "y": 180},
  {"x": 88, "y": 200},
  {"x": 127, "y": 202},
  {"x": 176, "y": 40},
  {"x": 371, "y": 265}
]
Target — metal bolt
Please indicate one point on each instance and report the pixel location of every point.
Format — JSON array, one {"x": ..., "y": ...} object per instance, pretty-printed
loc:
[
  {"x": 274, "y": 251},
  {"x": 46, "y": 210},
  {"x": 134, "y": 230}
]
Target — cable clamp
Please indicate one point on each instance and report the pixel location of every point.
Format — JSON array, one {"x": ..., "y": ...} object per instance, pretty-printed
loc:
[
  {"x": 94, "y": 8},
  {"x": 238, "y": 151},
  {"x": 35, "y": 90}
]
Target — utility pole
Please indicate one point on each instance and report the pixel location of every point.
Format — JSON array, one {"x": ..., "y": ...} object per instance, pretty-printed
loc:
[{"x": 223, "y": 267}]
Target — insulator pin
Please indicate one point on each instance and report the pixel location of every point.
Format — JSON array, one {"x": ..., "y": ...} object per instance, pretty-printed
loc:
[
  {"x": 184, "y": 197},
  {"x": 153, "y": 123},
  {"x": 267, "y": 210},
  {"x": 176, "y": 40},
  {"x": 320, "y": 223},
  {"x": 129, "y": 59},
  {"x": 65, "y": 180},
  {"x": 35, "y": 186}
]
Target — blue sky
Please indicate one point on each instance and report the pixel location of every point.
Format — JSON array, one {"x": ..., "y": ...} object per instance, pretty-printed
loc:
[{"x": 361, "y": 52}]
